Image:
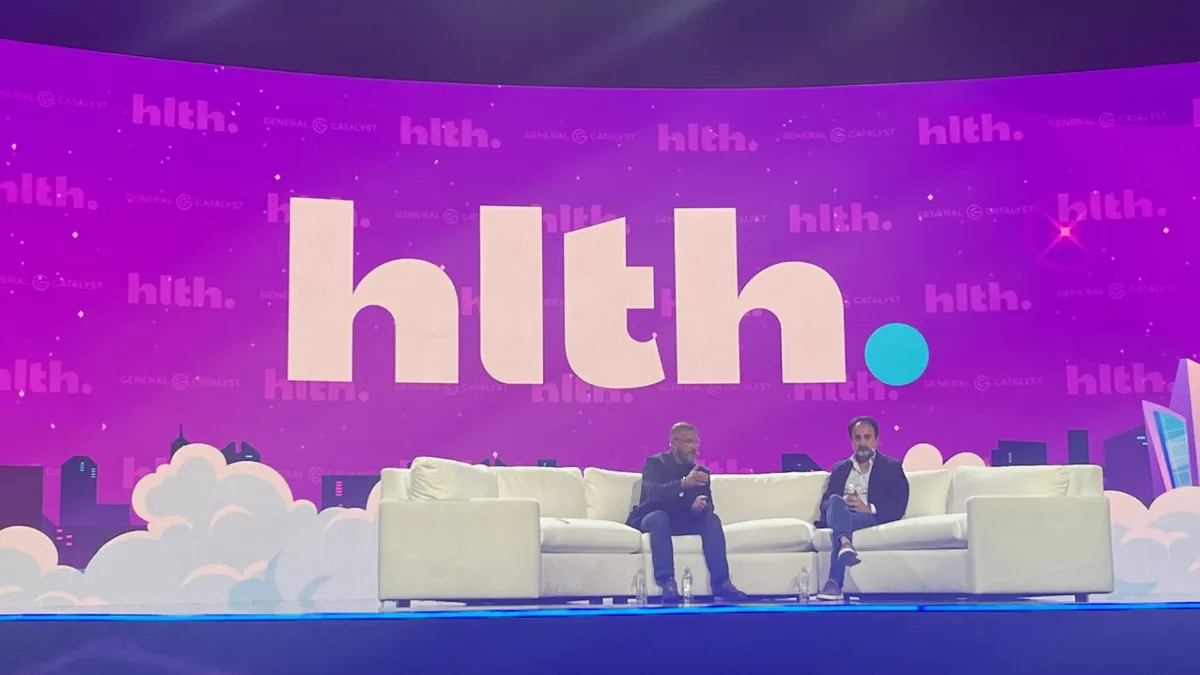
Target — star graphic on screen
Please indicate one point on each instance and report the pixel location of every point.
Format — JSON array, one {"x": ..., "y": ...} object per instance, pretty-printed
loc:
[{"x": 1065, "y": 234}]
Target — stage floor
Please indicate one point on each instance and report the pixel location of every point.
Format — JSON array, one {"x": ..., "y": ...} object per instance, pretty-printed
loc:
[{"x": 1025, "y": 637}]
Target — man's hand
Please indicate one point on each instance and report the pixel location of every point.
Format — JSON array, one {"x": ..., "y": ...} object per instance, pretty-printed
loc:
[
  {"x": 695, "y": 478},
  {"x": 857, "y": 505},
  {"x": 700, "y": 504}
]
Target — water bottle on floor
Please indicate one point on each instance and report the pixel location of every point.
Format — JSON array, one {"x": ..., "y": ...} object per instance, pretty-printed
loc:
[
  {"x": 802, "y": 590},
  {"x": 685, "y": 587},
  {"x": 640, "y": 591}
]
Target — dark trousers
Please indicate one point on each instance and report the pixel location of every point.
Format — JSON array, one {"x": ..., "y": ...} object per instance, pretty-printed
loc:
[
  {"x": 661, "y": 526},
  {"x": 845, "y": 522}
]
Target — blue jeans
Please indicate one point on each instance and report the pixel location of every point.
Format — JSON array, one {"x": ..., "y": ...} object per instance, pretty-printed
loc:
[
  {"x": 844, "y": 521},
  {"x": 661, "y": 526}
]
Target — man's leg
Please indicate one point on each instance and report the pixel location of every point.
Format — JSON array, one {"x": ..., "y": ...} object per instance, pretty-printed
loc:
[
  {"x": 712, "y": 540},
  {"x": 837, "y": 515},
  {"x": 662, "y": 552}
]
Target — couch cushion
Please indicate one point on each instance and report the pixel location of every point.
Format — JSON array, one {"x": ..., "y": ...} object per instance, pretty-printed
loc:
[
  {"x": 769, "y": 535},
  {"x": 611, "y": 495},
  {"x": 559, "y": 491},
  {"x": 585, "y": 535},
  {"x": 911, "y": 534},
  {"x": 1032, "y": 481},
  {"x": 437, "y": 478},
  {"x": 743, "y": 497},
  {"x": 393, "y": 484},
  {"x": 928, "y": 493}
]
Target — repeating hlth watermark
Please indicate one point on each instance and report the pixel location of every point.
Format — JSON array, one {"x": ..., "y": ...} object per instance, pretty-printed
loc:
[
  {"x": 574, "y": 390},
  {"x": 1108, "y": 378},
  {"x": 694, "y": 137},
  {"x": 973, "y": 298},
  {"x": 861, "y": 388},
  {"x": 280, "y": 388},
  {"x": 970, "y": 130},
  {"x": 57, "y": 193},
  {"x": 177, "y": 292},
  {"x": 1122, "y": 205},
  {"x": 835, "y": 218},
  {"x": 173, "y": 113},
  {"x": 35, "y": 377},
  {"x": 180, "y": 381},
  {"x": 567, "y": 217},
  {"x": 436, "y": 132}
]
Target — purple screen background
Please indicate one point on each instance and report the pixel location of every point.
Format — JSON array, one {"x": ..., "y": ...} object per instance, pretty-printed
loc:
[{"x": 152, "y": 200}]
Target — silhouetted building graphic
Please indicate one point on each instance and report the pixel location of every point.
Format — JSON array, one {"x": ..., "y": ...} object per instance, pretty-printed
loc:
[
  {"x": 1127, "y": 465},
  {"x": 178, "y": 442},
  {"x": 798, "y": 462},
  {"x": 247, "y": 453},
  {"x": 78, "y": 495},
  {"x": 1167, "y": 434},
  {"x": 1019, "y": 453},
  {"x": 347, "y": 491},
  {"x": 21, "y": 489},
  {"x": 1077, "y": 447},
  {"x": 548, "y": 462}
]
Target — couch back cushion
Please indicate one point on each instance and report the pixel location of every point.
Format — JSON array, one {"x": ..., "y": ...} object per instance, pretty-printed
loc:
[
  {"x": 1032, "y": 481},
  {"x": 1085, "y": 480},
  {"x": 742, "y": 497},
  {"x": 611, "y": 495},
  {"x": 928, "y": 493},
  {"x": 435, "y": 478},
  {"x": 393, "y": 484},
  {"x": 558, "y": 490}
]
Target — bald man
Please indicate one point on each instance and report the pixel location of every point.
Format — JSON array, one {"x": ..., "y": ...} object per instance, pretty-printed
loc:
[{"x": 677, "y": 500}]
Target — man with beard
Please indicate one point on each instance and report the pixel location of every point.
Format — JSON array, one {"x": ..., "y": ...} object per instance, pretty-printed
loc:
[
  {"x": 865, "y": 490},
  {"x": 677, "y": 500}
]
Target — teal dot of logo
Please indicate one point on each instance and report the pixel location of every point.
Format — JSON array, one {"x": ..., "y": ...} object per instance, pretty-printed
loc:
[{"x": 897, "y": 354}]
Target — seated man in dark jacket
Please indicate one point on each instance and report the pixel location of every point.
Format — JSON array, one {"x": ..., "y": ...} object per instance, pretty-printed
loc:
[
  {"x": 676, "y": 500},
  {"x": 865, "y": 490}
]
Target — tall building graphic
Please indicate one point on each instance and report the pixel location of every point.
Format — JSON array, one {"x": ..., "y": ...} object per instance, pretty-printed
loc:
[
  {"x": 78, "y": 496},
  {"x": 347, "y": 491},
  {"x": 246, "y": 453},
  {"x": 1127, "y": 465},
  {"x": 178, "y": 442},
  {"x": 21, "y": 496},
  {"x": 1167, "y": 433},
  {"x": 1077, "y": 447},
  {"x": 1019, "y": 453}
]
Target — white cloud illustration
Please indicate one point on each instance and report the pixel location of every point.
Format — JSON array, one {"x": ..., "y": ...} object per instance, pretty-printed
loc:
[
  {"x": 926, "y": 457},
  {"x": 216, "y": 534},
  {"x": 1157, "y": 549}
]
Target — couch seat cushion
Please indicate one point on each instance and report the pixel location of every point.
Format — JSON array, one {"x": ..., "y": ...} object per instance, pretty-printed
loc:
[
  {"x": 768, "y": 535},
  {"x": 910, "y": 534},
  {"x": 586, "y": 535}
]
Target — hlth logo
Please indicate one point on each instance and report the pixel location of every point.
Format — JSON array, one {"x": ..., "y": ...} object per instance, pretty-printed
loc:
[
  {"x": 965, "y": 130},
  {"x": 26, "y": 377},
  {"x": 972, "y": 298},
  {"x": 1110, "y": 379},
  {"x": 568, "y": 219},
  {"x": 131, "y": 473},
  {"x": 862, "y": 388},
  {"x": 275, "y": 387},
  {"x": 279, "y": 210},
  {"x": 177, "y": 292},
  {"x": 40, "y": 191},
  {"x": 703, "y": 138},
  {"x": 834, "y": 218},
  {"x": 176, "y": 114},
  {"x": 1107, "y": 206},
  {"x": 449, "y": 134},
  {"x": 574, "y": 390}
]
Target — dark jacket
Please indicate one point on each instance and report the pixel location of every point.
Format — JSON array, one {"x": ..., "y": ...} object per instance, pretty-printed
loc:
[
  {"x": 887, "y": 490},
  {"x": 662, "y": 489}
]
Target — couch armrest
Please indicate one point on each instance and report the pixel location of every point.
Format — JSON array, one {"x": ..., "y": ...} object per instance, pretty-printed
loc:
[
  {"x": 475, "y": 549},
  {"x": 1039, "y": 545}
]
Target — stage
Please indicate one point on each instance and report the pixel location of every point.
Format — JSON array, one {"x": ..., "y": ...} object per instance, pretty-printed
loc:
[{"x": 1020, "y": 637}]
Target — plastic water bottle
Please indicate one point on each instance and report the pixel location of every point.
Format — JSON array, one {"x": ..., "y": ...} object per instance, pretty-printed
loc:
[
  {"x": 802, "y": 586},
  {"x": 640, "y": 591},
  {"x": 685, "y": 587}
]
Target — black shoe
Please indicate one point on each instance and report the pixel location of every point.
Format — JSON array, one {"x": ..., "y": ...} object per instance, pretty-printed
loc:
[
  {"x": 670, "y": 592},
  {"x": 727, "y": 593}
]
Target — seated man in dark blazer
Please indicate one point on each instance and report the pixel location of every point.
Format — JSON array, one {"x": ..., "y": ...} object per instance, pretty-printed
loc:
[
  {"x": 677, "y": 499},
  {"x": 865, "y": 490}
]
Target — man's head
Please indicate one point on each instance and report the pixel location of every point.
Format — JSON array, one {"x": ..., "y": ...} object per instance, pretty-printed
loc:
[
  {"x": 864, "y": 437},
  {"x": 685, "y": 442}
]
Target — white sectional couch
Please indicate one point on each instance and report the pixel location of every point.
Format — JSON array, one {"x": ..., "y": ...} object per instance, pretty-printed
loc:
[{"x": 461, "y": 532}]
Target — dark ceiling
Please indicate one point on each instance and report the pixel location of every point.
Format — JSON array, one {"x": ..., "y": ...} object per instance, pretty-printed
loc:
[{"x": 681, "y": 43}]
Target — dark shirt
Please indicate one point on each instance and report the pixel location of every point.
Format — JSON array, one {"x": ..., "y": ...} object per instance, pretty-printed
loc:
[
  {"x": 662, "y": 488},
  {"x": 887, "y": 488}
]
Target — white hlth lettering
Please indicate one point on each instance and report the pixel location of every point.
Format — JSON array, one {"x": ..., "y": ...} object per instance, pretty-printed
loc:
[
  {"x": 323, "y": 301},
  {"x": 709, "y": 308},
  {"x": 510, "y": 293},
  {"x": 599, "y": 290}
]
